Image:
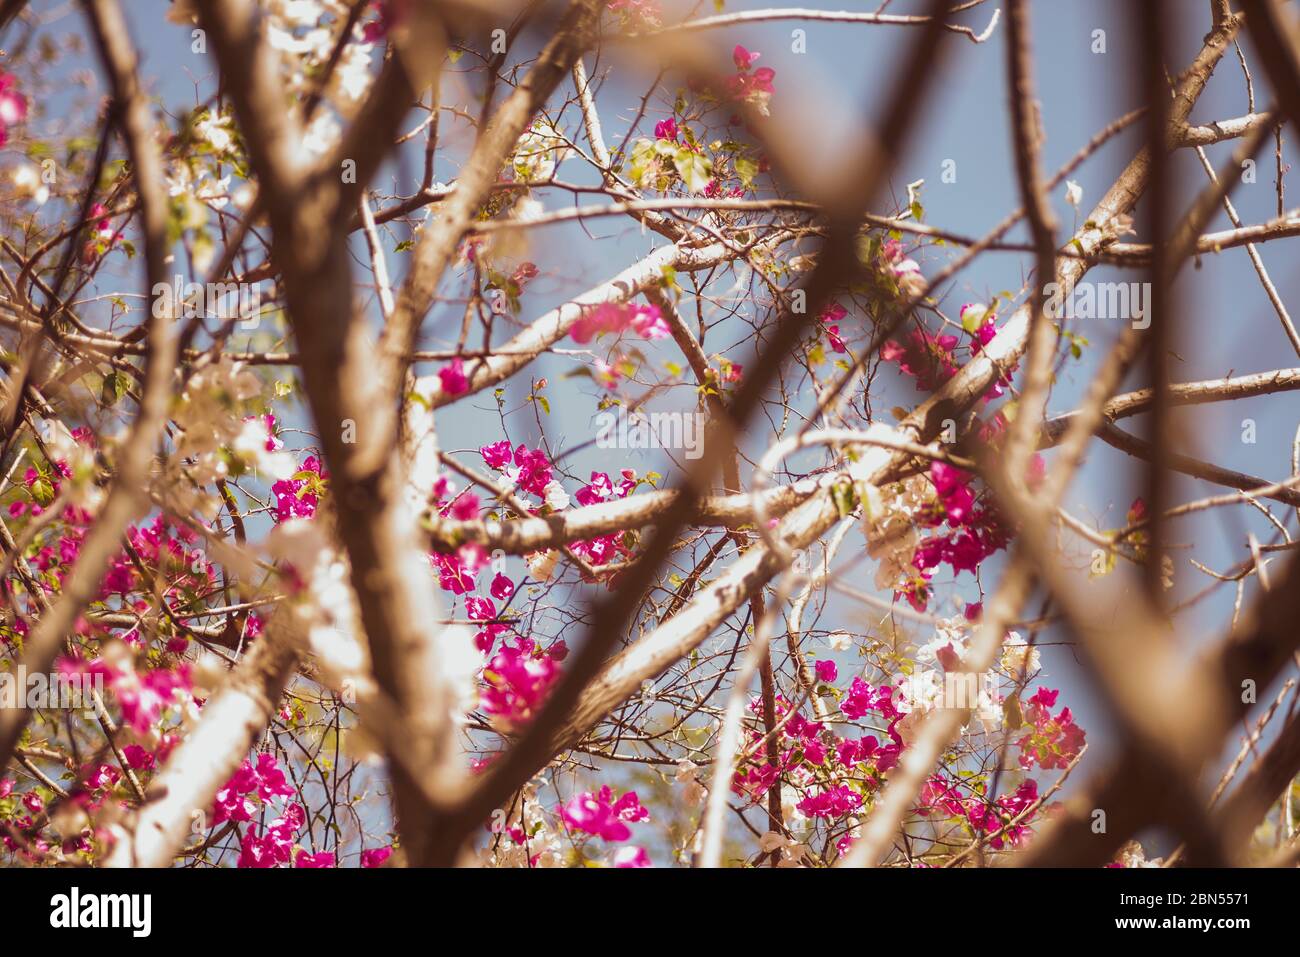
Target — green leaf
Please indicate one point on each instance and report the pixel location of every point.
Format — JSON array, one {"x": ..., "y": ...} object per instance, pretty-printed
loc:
[
  {"x": 746, "y": 169},
  {"x": 845, "y": 499},
  {"x": 114, "y": 388},
  {"x": 694, "y": 169}
]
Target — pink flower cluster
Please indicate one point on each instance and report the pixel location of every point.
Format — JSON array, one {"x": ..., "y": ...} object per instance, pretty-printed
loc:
[
  {"x": 604, "y": 549},
  {"x": 746, "y": 87},
  {"x": 805, "y": 745},
  {"x": 834, "y": 803},
  {"x": 831, "y": 317},
  {"x": 265, "y": 779},
  {"x": 975, "y": 531},
  {"x": 141, "y": 696},
  {"x": 604, "y": 816},
  {"x": 1054, "y": 741},
  {"x": 643, "y": 319},
  {"x": 941, "y": 797},
  {"x": 516, "y": 682},
  {"x": 531, "y": 470},
  {"x": 932, "y": 360},
  {"x": 863, "y": 699},
  {"x": 274, "y": 846},
  {"x": 298, "y": 497}
]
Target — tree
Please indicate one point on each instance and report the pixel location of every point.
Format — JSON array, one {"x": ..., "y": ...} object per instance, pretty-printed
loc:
[{"x": 261, "y": 610}]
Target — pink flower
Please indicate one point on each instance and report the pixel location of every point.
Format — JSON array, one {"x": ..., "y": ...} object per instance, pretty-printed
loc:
[
  {"x": 835, "y": 802},
  {"x": 645, "y": 320},
  {"x": 516, "y": 682},
  {"x": 827, "y": 671},
  {"x": 754, "y": 88},
  {"x": 864, "y": 698},
  {"x": 938, "y": 795},
  {"x": 850, "y": 752},
  {"x": 1055, "y": 741},
  {"x": 496, "y": 455},
  {"x": 376, "y": 856},
  {"x": 230, "y": 805},
  {"x": 295, "y": 497},
  {"x": 990, "y": 818},
  {"x": 534, "y": 471},
  {"x": 743, "y": 58},
  {"x": 466, "y": 507},
  {"x": 101, "y": 776},
  {"x": 666, "y": 129},
  {"x": 502, "y": 588},
  {"x": 323, "y": 859},
  {"x": 13, "y": 106},
  {"x": 142, "y": 698},
  {"x": 480, "y": 609},
  {"x": 453, "y": 378},
  {"x": 600, "y": 814}
]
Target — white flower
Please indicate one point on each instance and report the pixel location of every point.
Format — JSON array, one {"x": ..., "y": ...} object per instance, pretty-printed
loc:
[
  {"x": 281, "y": 39},
  {"x": 771, "y": 841},
  {"x": 839, "y": 641},
  {"x": 541, "y": 565},
  {"x": 539, "y": 151},
  {"x": 300, "y": 13},
  {"x": 338, "y": 654},
  {"x": 319, "y": 138},
  {"x": 1132, "y": 855},
  {"x": 911, "y": 282},
  {"x": 556, "y": 496},
  {"x": 352, "y": 76},
  {"x": 28, "y": 185},
  {"x": 215, "y": 131},
  {"x": 1073, "y": 193},
  {"x": 251, "y": 444},
  {"x": 918, "y": 692},
  {"x": 1019, "y": 658}
]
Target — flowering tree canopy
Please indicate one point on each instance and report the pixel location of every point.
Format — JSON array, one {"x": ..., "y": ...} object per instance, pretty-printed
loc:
[{"x": 556, "y": 434}]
